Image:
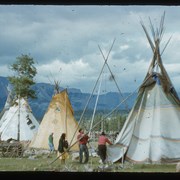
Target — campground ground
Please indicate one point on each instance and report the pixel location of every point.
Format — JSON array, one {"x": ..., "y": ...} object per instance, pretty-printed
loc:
[{"x": 48, "y": 163}]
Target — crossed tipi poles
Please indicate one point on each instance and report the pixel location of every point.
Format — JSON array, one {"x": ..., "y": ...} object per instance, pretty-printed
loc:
[{"x": 123, "y": 101}]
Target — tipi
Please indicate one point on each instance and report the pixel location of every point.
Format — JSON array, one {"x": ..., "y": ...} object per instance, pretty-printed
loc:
[
  {"x": 18, "y": 122},
  {"x": 58, "y": 119},
  {"x": 151, "y": 133}
]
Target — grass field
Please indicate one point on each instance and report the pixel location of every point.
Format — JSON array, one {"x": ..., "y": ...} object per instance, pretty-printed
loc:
[{"x": 49, "y": 163}]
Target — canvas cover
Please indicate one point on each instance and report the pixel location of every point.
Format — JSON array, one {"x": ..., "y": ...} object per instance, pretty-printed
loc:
[
  {"x": 151, "y": 131},
  {"x": 59, "y": 118},
  {"x": 19, "y": 117}
]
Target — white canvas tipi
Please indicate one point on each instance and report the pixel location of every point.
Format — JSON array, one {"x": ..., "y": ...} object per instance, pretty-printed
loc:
[
  {"x": 58, "y": 119},
  {"x": 18, "y": 122},
  {"x": 151, "y": 133}
]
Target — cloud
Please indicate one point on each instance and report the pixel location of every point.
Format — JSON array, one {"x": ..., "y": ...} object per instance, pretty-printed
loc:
[{"x": 68, "y": 37}]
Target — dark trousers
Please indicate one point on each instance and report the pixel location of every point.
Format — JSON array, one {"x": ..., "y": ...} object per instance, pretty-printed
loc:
[
  {"x": 83, "y": 150},
  {"x": 102, "y": 152}
]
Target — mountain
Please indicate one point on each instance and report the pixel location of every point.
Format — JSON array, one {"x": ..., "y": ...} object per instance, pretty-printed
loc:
[
  {"x": 3, "y": 91},
  {"x": 78, "y": 99},
  {"x": 45, "y": 91}
]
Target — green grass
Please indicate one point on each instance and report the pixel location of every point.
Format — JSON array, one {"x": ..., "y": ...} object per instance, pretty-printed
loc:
[{"x": 44, "y": 163}]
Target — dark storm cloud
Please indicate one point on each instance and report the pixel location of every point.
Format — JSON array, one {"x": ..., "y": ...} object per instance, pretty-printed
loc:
[{"x": 67, "y": 38}]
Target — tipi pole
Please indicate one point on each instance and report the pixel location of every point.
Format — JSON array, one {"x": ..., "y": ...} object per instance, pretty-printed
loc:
[
  {"x": 19, "y": 93},
  {"x": 92, "y": 120},
  {"x": 101, "y": 120},
  {"x": 93, "y": 90},
  {"x": 122, "y": 161},
  {"x": 65, "y": 120},
  {"x": 91, "y": 152},
  {"x": 67, "y": 149},
  {"x": 92, "y": 127},
  {"x": 18, "y": 133},
  {"x": 111, "y": 74}
]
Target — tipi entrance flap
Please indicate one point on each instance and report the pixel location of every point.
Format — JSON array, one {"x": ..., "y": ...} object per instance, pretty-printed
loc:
[
  {"x": 119, "y": 148},
  {"x": 116, "y": 151}
]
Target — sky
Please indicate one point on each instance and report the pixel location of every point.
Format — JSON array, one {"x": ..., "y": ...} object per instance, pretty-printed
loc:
[{"x": 69, "y": 44}]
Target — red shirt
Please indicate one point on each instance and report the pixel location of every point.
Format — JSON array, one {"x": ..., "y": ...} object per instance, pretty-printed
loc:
[
  {"x": 103, "y": 140},
  {"x": 83, "y": 139}
]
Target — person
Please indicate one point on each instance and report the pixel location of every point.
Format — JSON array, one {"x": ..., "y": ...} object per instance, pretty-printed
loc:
[
  {"x": 62, "y": 148},
  {"x": 83, "y": 149},
  {"x": 102, "y": 148},
  {"x": 50, "y": 142}
]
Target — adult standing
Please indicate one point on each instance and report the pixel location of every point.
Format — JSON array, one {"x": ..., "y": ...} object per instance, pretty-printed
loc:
[
  {"x": 102, "y": 148},
  {"x": 62, "y": 148},
  {"x": 83, "y": 149},
  {"x": 51, "y": 143}
]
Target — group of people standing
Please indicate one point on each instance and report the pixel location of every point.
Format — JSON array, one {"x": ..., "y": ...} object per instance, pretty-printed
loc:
[
  {"x": 82, "y": 139},
  {"x": 62, "y": 146},
  {"x": 83, "y": 149}
]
